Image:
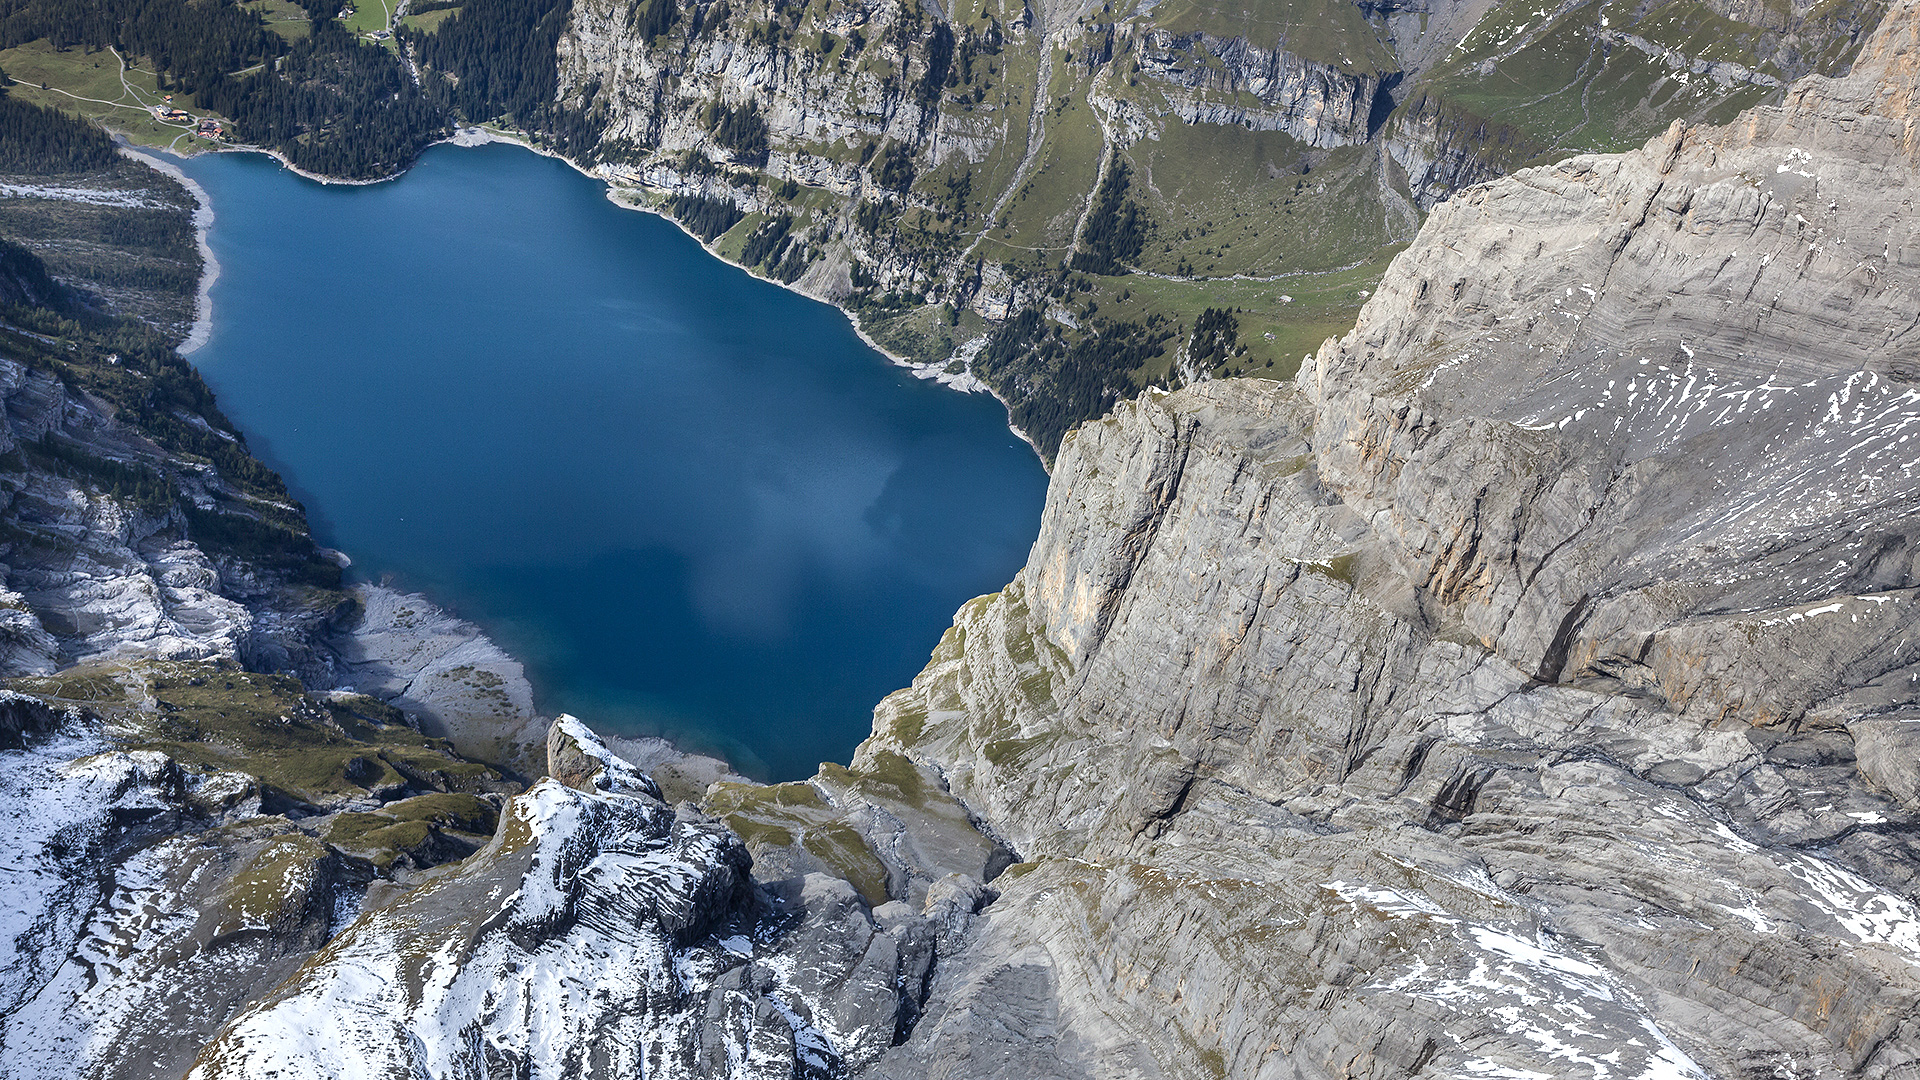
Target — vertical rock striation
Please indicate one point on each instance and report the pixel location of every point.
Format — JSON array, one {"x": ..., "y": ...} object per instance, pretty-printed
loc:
[{"x": 1526, "y": 691}]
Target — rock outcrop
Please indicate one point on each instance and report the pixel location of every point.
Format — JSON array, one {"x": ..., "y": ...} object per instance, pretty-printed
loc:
[
  {"x": 601, "y": 934},
  {"x": 1522, "y": 693},
  {"x": 1210, "y": 80},
  {"x": 1527, "y": 690}
]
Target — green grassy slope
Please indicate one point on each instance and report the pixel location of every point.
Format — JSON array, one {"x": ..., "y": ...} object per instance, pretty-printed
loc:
[
  {"x": 1265, "y": 139},
  {"x": 1278, "y": 140}
]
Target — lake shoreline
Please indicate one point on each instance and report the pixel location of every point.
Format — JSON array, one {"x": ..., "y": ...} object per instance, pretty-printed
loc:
[
  {"x": 202, "y": 328},
  {"x": 246, "y": 350},
  {"x": 966, "y": 383},
  {"x": 475, "y": 135}
]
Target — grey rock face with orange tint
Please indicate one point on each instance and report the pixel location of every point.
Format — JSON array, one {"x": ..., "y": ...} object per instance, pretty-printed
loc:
[{"x": 1525, "y": 691}]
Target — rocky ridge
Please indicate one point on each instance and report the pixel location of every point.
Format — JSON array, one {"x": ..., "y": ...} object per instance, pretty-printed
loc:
[
  {"x": 1514, "y": 696},
  {"x": 1449, "y": 712},
  {"x": 602, "y": 933},
  {"x": 1522, "y": 692}
]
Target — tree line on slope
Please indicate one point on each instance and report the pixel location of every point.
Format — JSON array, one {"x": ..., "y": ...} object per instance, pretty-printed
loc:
[
  {"x": 332, "y": 104},
  {"x": 1061, "y": 379},
  {"x": 135, "y": 369},
  {"x": 191, "y": 43},
  {"x": 500, "y": 58},
  {"x": 331, "y": 101},
  {"x": 49, "y": 326},
  {"x": 1116, "y": 228},
  {"x": 41, "y": 141}
]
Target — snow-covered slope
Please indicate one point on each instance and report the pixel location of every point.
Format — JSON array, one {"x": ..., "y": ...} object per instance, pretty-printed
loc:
[{"x": 602, "y": 933}]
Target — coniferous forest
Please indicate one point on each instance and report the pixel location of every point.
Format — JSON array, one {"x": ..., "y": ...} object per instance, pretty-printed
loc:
[
  {"x": 41, "y": 141},
  {"x": 191, "y": 44},
  {"x": 331, "y": 102},
  {"x": 1064, "y": 380},
  {"x": 501, "y": 54},
  {"x": 1116, "y": 229}
]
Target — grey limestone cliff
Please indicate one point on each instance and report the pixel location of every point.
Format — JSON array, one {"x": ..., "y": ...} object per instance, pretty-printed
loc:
[{"x": 1524, "y": 692}]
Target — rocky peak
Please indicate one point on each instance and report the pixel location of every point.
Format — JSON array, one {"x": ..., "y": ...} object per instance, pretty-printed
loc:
[
  {"x": 578, "y": 759},
  {"x": 600, "y": 934}
]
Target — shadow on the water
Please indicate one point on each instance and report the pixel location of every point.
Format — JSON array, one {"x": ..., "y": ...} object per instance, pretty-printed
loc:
[{"x": 693, "y": 503}]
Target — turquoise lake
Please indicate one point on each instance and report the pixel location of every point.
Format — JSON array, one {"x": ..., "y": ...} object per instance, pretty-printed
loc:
[{"x": 693, "y": 503}]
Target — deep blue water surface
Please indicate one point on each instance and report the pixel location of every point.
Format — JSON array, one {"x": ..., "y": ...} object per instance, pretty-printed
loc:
[{"x": 693, "y": 503}]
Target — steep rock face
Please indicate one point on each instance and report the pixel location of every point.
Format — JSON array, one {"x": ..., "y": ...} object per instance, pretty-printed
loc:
[
  {"x": 1322, "y": 105},
  {"x": 804, "y": 96},
  {"x": 1683, "y": 376},
  {"x": 1441, "y": 151},
  {"x": 832, "y": 87},
  {"x": 816, "y": 112},
  {"x": 1468, "y": 709},
  {"x": 1379, "y": 845},
  {"x": 128, "y": 584},
  {"x": 22, "y": 716}
]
